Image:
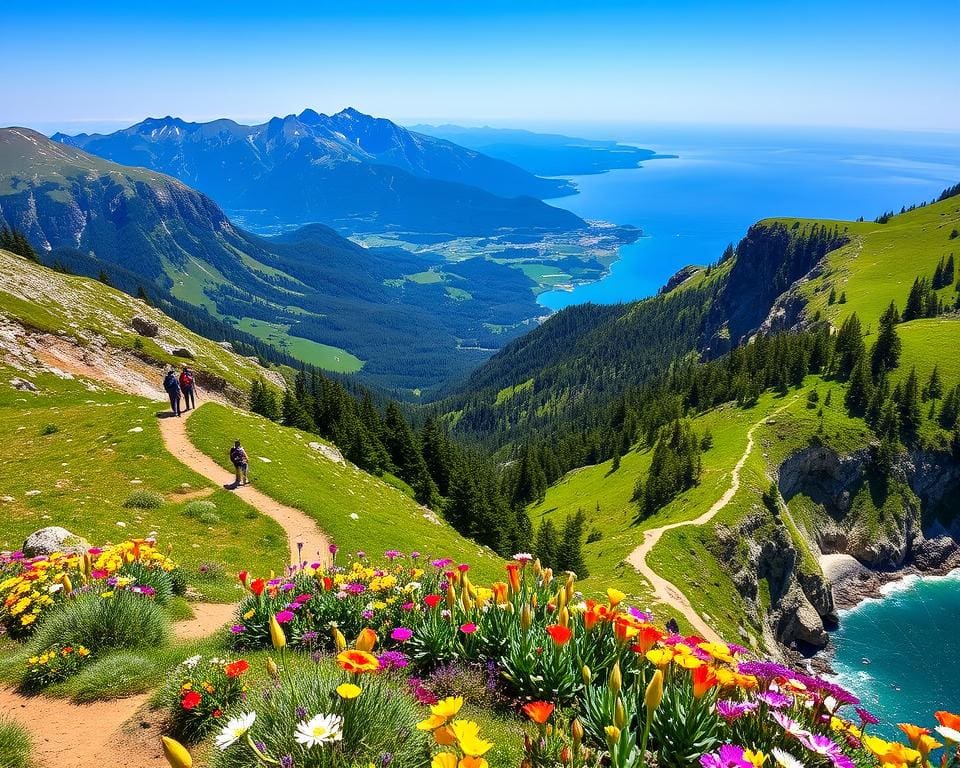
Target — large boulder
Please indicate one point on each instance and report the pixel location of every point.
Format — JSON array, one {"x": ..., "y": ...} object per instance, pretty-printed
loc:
[
  {"x": 145, "y": 326},
  {"x": 182, "y": 352},
  {"x": 46, "y": 541}
]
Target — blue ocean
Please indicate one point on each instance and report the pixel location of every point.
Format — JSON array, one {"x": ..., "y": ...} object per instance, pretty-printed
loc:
[
  {"x": 901, "y": 654},
  {"x": 723, "y": 180}
]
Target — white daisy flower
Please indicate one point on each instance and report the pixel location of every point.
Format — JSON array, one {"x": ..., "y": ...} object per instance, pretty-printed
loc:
[
  {"x": 235, "y": 730},
  {"x": 320, "y": 729},
  {"x": 949, "y": 734},
  {"x": 523, "y": 557},
  {"x": 785, "y": 759},
  {"x": 192, "y": 661}
]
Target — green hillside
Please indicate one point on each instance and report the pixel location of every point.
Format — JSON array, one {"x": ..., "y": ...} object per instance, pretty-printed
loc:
[{"x": 332, "y": 493}]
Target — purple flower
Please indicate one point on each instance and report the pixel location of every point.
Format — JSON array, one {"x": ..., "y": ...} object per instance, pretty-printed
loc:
[
  {"x": 774, "y": 700},
  {"x": 414, "y": 555},
  {"x": 238, "y": 628},
  {"x": 287, "y": 587},
  {"x": 367, "y": 615},
  {"x": 354, "y": 588},
  {"x": 731, "y": 710},
  {"x": 392, "y": 660},
  {"x": 308, "y": 637},
  {"x": 285, "y": 617},
  {"x": 866, "y": 717},
  {"x": 640, "y": 615},
  {"x": 789, "y": 725},
  {"x": 392, "y": 554},
  {"x": 361, "y": 554},
  {"x": 737, "y": 650},
  {"x": 401, "y": 634},
  {"x": 826, "y": 747},
  {"x": 765, "y": 670},
  {"x": 301, "y": 713},
  {"x": 728, "y": 756},
  {"x": 386, "y": 758},
  {"x": 286, "y": 761},
  {"x": 443, "y": 562}
]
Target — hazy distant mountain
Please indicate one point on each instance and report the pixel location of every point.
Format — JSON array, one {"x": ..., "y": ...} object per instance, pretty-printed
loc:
[
  {"x": 144, "y": 228},
  {"x": 348, "y": 170},
  {"x": 546, "y": 154}
]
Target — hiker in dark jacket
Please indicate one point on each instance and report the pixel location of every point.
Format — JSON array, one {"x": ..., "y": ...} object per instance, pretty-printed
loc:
[
  {"x": 239, "y": 458},
  {"x": 188, "y": 387},
  {"x": 172, "y": 386}
]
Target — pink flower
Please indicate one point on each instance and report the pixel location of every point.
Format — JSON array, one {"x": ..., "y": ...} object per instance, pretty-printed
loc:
[
  {"x": 468, "y": 629},
  {"x": 285, "y": 617},
  {"x": 463, "y": 567},
  {"x": 401, "y": 634}
]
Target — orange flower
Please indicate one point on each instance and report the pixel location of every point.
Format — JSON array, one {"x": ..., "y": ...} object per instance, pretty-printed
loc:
[
  {"x": 948, "y": 720},
  {"x": 625, "y": 628},
  {"x": 538, "y": 711},
  {"x": 703, "y": 680},
  {"x": 594, "y": 613},
  {"x": 499, "y": 589},
  {"x": 358, "y": 662},
  {"x": 366, "y": 639},
  {"x": 513, "y": 574},
  {"x": 237, "y": 668},
  {"x": 648, "y": 637},
  {"x": 914, "y": 732},
  {"x": 561, "y": 635}
]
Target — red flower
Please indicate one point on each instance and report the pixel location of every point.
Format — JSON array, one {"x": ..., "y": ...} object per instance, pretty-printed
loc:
[
  {"x": 432, "y": 600},
  {"x": 217, "y": 713},
  {"x": 538, "y": 711},
  {"x": 327, "y": 583},
  {"x": 237, "y": 668},
  {"x": 463, "y": 567},
  {"x": 256, "y": 586},
  {"x": 561, "y": 635},
  {"x": 243, "y": 577},
  {"x": 190, "y": 700}
]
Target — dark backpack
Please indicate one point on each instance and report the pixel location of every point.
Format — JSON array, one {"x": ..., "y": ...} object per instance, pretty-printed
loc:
[{"x": 236, "y": 455}]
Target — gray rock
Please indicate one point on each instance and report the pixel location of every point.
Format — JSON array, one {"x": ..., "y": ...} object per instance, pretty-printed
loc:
[
  {"x": 22, "y": 385},
  {"x": 930, "y": 554},
  {"x": 182, "y": 352},
  {"x": 145, "y": 326},
  {"x": 46, "y": 541},
  {"x": 226, "y": 345},
  {"x": 799, "y": 621}
]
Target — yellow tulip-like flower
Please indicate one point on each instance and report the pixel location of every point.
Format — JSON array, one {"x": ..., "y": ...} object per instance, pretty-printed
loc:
[
  {"x": 273, "y": 669},
  {"x": 654, "y": 692},
  {"x": 614, "y": 596},
  {"x": 615, "y": 681},
  {"x": 444, "y": 736},
  {"x": 613, "y": 734},
  {"x": 176, "y": 753},
  {"x": 366, "y": 640},
  {"x": 577, "y": 732},
  {"x": 660, "y": 657},
  {"x": 339, "y": 641},
  {"x": 468, "y": 737},
  {"x": 687, "y": 661},
  {"x": 757, "y": 759},
  {"x": 586, "y": 674},
  {"x": 249, "y": 614},
  {"x": 277, "y": 637},
  {"x": 444, "y": 760},
  {"x": 348, "y": 691},
  {"x": 526, "y": 617},
  {"x": 619, "y": 714}
]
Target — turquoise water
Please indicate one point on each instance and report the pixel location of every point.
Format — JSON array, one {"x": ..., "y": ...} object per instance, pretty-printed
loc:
[
  {"x": 723, "y": 181},
  {"x": 901, "y": 654}
]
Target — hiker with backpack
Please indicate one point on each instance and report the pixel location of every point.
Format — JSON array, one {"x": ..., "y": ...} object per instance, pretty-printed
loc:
[
  {"x": 239, "y": 458},
  {"x": 172, "y": 387},
  {"x": 187, "y": 387}
]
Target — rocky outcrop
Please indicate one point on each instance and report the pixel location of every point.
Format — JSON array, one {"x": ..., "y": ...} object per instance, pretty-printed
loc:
[
  {"x": 182, "y": 352},
  {"x": 145, "y": 326},
  {"x": 679, "y": 277},
  {"x": 46, "y": 541}
]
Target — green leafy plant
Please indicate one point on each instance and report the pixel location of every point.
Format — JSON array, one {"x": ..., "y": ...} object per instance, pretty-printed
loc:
[
  {"x": 143, "y": 500},
  {"x": 53, "y": 665},
  {"x": 15, "y": 744},
  {"x": 199, "y": 691}
]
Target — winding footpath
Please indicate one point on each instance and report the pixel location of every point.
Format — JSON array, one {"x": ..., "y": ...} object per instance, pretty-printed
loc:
[
  {"x": 299, "y": 527},
  {"x": 124, "y": 733},
  {"x": 665, "y": 591}
]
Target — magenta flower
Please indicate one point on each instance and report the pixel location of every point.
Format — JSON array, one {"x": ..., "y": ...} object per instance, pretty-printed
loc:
[
  {"x": 728, "y": 756},
  {"x": 468, "y": 629},
  {"x": 866, "y": 717},
  {"x": 392, "y": 554},
  {"x": 285, "y": 617},
  {"x": 774, "y": 700},
  {"x": 443, "y": 562},
  {"x": 825, "y": 747},
  {"x": 401, "y": 634},
  {"x": 238, "y": 628},
  {"x": 392, "y": 660},
  {"x": 354, "y": 588},
  {"x": 732, "y": 710},
  {"x": 333, "y": 548}
]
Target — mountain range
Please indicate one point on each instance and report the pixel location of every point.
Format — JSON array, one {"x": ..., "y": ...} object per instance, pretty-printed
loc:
[
  {"x": 310, "y": 292},
  {"x": 349, "y": 170}
]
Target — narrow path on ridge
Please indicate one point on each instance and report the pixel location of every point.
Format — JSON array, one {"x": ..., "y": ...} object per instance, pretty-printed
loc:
[
  {"x": 665, "y": 591},
  {"x": 298, "y": 526}
]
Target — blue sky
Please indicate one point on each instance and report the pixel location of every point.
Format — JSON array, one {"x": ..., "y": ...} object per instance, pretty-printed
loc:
[{"x": 518, "y": 62}]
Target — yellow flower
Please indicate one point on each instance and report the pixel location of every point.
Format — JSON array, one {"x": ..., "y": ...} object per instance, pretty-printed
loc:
[
  {"x": 441, "y": 712},
  {"x": 687, "y": 661},
  {"x": 654, "y": 693},
  {"x": 660, "y": 657},
  {"x": 473, "y": 762},
  {"x": 613, "y": 734},
  {"x": 615, "y": 596},
  {"x": 719, "y": 651},
  {"x": 468, "y": 736},
  {"x": 27, "y": 620},
  {"x": 444, "y": 760},
  {"x": 348, "y": 691},
  {"x": 176, "y": 753},
  {"x": 757, "y": 758},
  {"x": 249, "y": 614},
  {"x": 444, "y": 736},
  {"x": 277, "y": 637}
]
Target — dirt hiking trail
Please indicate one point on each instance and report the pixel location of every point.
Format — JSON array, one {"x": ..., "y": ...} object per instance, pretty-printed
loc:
[{"x": 665, "y": 591}]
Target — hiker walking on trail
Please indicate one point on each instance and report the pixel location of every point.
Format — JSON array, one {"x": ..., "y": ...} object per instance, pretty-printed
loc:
[
  {"x": 172, "y": 386},
  {"x": 187, "y": 387},
  {"x": 239, "y": 458}
]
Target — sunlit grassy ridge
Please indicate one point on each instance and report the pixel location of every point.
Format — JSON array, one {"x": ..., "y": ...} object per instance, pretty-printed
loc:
[
  {"x": 332, "y": 493},
  {"x": 86, "y": 451}
]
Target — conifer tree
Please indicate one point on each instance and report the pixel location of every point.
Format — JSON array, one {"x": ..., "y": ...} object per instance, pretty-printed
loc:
[
  {"x": 950, "y": 410},
  {"x": 917, "y": 299},
  {"x": 849, "y": 347},
  {"x": 570, "y": 554},
  {"x": 103, "y": 277},
  {"x": 934, "y": 387},
  {"x": 860, "y": 389},
  {"x": 910, "y": 414},
  {"x": 547, "y": 544},
  {"x": 531, "y": 482},
  {"x": 885, "y": 354}
]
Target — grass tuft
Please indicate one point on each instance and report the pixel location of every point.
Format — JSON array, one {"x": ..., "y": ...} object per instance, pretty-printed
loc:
[
  {"x": 143, "y": 500},
  {"x": 15, "y": 745}
]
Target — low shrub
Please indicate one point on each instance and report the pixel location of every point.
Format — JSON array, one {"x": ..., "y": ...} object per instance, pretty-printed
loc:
[
  {"x": 144, "y": 500},
  {"x": 15, "y": 744},
  {"x": 116, "y": 675},
  {"x": 199, "y": 691},
  {"x": 53, "y": 665},
  {"x": 49, "y": 429},
  {"x": 104, "y": 621},
  {"x": 200, "y": 507},
  {"x": 209, "y": 518},
  {"x": 360, "y": 730}
]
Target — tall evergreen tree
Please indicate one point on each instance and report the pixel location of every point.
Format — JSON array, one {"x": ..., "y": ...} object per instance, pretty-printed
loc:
[
  {"x": 934, "y": 386},
  {"x": 849, "y": 347},
  {"x": 910, "y": 413},
  {"x": 885, "y": 354},
  {"x": 570, "y": 554},
  {"x": 547, "y": 544},
  {"x": 531, "y": 484},
  {"x": 860, "y": 390}
]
